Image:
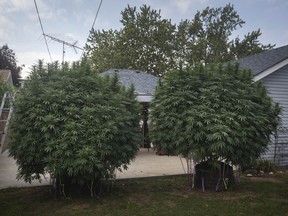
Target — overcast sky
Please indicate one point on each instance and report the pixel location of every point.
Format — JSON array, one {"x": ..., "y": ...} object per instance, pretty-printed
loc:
[{"x": 71, "y": 20}]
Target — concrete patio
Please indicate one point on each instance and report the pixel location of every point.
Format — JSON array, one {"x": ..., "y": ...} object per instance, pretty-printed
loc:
[{"x": 146, "y": 164}]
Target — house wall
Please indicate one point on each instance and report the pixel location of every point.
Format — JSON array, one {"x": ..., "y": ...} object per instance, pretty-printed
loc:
[
  {"x": 6, "y": 76},
  {"x": 277, "y": 86},
  {"x": 10, "y": 81}
]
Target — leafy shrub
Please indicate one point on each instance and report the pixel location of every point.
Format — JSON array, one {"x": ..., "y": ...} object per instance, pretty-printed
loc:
[
  {"x": 213, "y": 112},
  {"x": 265, "y": 165},
  {"x": 73, "y": 124}
]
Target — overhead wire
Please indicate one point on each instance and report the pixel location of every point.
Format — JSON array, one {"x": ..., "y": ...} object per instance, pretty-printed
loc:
[
  {"x": 92, "y": 27},
  {"x": 43, "y": 33},
  {"x": 96, "y": 14}
]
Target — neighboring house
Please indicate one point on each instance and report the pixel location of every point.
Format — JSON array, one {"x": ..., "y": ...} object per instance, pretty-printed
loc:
[
  {"x": 145, "y": 85},
  {"x": 6, "y": 76},
  {"x": 271, "y": 67},
  {"x": 143, "y": 82}
]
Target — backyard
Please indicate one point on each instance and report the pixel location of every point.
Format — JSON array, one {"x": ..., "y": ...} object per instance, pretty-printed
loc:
[{"x": 266, "y": 195}]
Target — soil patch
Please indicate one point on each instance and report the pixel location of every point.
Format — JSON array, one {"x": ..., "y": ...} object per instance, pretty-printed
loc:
[{"x": 266, "y": 179}]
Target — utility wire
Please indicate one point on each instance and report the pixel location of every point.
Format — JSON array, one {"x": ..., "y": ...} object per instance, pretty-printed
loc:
[
  {"x": 96, "y": 14},
  {"x": 43, "y": 31},
  {"x": 92, "y": 27}
]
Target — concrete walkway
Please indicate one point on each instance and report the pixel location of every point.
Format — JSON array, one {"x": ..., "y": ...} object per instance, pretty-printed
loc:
[{"x": 146, "y": 164}]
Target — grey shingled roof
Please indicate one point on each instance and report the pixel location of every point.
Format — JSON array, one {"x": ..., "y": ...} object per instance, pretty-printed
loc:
[
  {"x": 144, "y": 83},
  {"x": 262, "y": 61}
]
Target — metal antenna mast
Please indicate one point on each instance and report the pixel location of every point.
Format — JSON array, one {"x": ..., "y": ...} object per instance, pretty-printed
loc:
[{"x": 64, "y": 43}]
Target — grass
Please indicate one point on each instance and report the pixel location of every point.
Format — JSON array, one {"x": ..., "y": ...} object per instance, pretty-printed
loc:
[{"x": 155, "y": 196}]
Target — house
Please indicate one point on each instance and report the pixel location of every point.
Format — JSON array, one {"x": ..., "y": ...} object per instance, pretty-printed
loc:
[
  {"x": 6, "y": 76},
  {"x": 145, "y": 85},
  {"x": 271, "y": 67},
  {"x": 143, "y": 82}
]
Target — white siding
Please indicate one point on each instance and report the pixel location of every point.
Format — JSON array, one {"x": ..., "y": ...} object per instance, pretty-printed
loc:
[{"x": 277, "y": 86}]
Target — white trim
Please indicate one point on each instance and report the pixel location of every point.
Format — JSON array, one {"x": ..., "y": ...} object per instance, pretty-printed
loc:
[
  {"x": 270, "y": 70},
  {"x": 144, "y": 98}
]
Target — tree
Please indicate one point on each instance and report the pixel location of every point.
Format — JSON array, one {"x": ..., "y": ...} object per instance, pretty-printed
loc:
[
  {"x": 8, "y": 61},
  {"x": 248, "y": 46},
  {"x": 146, "y": 42},
  {"x": 73, "y": 124},
  {"x": 150, "y": 43},
  {"x": 213, "y": 112},
  {"x": 207, "y": 37},
  {"x": 208, "y": 34},
  {"x": 103, "y": 50}
]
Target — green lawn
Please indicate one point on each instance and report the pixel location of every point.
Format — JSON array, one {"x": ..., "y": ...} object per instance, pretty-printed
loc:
[{"x": 155, "y": 196}]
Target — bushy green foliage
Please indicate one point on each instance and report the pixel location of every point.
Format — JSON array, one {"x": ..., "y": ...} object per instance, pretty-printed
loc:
[
  {"x": 144, "y": 43},
  {"x": 214, "y": 112},
  {"x": 72, "y": 123},
  {"x": 265, "y": 166},
  {"x": 149, "y": 42}
]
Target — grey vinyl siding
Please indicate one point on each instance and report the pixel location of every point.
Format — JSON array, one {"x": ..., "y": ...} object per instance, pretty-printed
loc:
[
  {"x": 278, "y": 150},
  {"x": 277, "y": 86},
  {"x": 281, "y": 156}
]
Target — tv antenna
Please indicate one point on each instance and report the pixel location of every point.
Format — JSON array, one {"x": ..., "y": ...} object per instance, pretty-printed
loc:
[{"x": 73, "y": 45}]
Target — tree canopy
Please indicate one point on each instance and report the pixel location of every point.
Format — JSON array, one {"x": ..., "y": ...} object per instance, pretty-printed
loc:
[
  {"x": 150, "y": 43},
  {"x": 208, "y": 37},
  {"x": 8, "y": 61},
  {"x": 73, "y": 124},
  {"x": 144, "y": 43},
  {"x": 214, "y": 112}
]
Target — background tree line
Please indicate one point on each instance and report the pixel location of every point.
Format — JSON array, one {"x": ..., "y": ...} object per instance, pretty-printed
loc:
[{"x": 150, "y": 43}]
